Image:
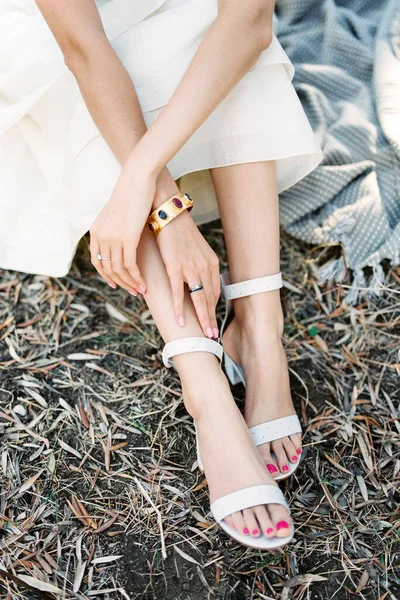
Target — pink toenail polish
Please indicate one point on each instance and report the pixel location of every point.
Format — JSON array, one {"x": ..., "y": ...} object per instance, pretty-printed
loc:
[
  {"x": 285, "y": 468},
  {"x": 269, "y": 530},
  {"x": 282, "y": 525},
  {"x": 294, "y": 457},
  {"x": 246, "y": 531},
  {"x": 255, "y": 532},
  {"x": 272, "y": 468},
  {"x": 298, "y": 451}
]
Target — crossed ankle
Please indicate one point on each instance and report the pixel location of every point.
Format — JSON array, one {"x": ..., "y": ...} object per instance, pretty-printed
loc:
[
  {"x": 255, "y": 314},
  {"x": 201, "y": 391}
]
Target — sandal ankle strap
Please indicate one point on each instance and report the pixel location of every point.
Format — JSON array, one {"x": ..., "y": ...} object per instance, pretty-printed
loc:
[
  {"x": 251, "y": 286},
  {"x": 190, "y": 344}
]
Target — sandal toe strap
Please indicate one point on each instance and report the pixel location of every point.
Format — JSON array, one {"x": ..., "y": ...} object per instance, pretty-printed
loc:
[
  {"x": 247, "y": 498},
  {"x": 275, "y": 429}
]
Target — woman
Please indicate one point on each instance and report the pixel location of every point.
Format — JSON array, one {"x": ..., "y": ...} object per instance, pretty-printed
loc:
[{"x": 195, "y": 90}]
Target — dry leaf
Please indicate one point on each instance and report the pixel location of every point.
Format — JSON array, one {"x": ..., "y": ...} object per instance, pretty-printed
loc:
[
  {"x": 68, "y": 448},
  {"x": 43, "y": 586},
  {"x": 29, "y": 483},
  {"x": 186, "y": 556}
]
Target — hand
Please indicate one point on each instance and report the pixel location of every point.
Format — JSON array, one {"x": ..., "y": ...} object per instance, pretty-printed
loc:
[
  {"x": 117, "y": 230},
  {"x": 189, "y": 259}
]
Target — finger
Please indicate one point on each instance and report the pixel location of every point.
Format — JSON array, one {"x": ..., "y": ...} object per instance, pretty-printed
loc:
[
  {"x": 178, "y": 293},
  {"x": 216, "y": 281},
  {"x": 210, "y": 298},
  {"x": 215, "y": 276},
  {"x": 108, "y": 265},
  {"x": 120, "y": 272},
  {"x": 200, "y": 304},
  {"x": 98, "y": 264},
  {"x": 130, "y": 263}
]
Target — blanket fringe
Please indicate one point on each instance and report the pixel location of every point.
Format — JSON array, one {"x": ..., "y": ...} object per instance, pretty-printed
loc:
[{"x": 361, "y": 285}]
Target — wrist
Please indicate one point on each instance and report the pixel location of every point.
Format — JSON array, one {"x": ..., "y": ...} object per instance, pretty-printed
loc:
[
  {"x": 145, "y": 159},
  {"x": 166, "y": 187},
  {"x": 168, "y": 211}
]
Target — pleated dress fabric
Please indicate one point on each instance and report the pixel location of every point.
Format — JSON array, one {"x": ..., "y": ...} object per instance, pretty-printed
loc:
[{"x": 57, "y": 171}]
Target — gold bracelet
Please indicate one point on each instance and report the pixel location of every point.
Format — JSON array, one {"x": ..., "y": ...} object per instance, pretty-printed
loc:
[{"x": 168, "y": 210}]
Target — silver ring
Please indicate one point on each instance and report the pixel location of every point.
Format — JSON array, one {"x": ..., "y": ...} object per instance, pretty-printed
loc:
[
  {"x": 100, "y": 257},
  {"x": 195, "y": 288}
]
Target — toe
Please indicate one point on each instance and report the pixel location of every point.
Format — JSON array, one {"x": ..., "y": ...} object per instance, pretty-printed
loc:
[
  {"x": 281, "y": 520},
  {"x": 239, "y": 523},
  {"x": 296, "y": 440},
  {"x": 267, "y": 459},
  {"x": 290, "y": 450},
  {"x": 251, "y": 522},
  {"x": 266, "y": 525},
  {"x": 229, "y": 521},
  {"x": 280, "y": 453}
]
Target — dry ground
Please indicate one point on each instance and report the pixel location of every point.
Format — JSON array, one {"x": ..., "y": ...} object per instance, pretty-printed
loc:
[{"x": 100, "y": 497}]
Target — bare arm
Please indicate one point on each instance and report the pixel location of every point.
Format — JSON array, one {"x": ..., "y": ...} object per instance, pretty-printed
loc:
[
  {"x": 104, "y": 82},
  {"x": 233, "y": 43},
  {"x": 111, "y": 99}
]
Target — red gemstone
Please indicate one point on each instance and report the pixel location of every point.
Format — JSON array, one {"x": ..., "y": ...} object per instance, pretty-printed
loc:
[
  {"x": 177, "y": 202},
  {"x": 151, "y": 227},
  {"x": 189, "y": 208}
]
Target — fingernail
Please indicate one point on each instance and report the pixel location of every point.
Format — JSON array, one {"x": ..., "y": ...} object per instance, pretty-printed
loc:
[
  {"x": 269, "y": 530},
  {"x": 282, "y": 525},
  {"x": 298, "y": 451},
  {"x": 114, "y": 287},
  {"x": 294, "y": 457},
  {"x": 215, "y": 332},
  {"x": 181, "y": 321},
  {"x": 209, "y": 332},
  {"x": 255, "y": 532},
  {"x": 285, "y": 468},
  {"x": 132, "y": 293},
  {"x": 142, "y": 289},
  {"x": 246, "y": 531},
  {"x": 272, "y": 468}
]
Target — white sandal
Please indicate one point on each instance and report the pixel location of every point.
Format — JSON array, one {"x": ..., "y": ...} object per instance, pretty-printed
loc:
[
  {"x": 247, "y": 497},
  {"x": 276, "y": 429}
]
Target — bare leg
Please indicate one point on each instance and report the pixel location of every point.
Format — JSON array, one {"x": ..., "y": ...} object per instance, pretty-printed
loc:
[
  {"x": 208, "y": 399},
  {"x": 248, "y": 202}
]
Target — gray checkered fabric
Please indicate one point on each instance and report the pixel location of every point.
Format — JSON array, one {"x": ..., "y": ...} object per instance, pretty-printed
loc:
[{"x": 347, "y": 59}]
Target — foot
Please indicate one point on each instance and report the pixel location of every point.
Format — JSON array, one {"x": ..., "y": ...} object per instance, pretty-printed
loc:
[
  {"x": 256, "y": 345},
  {"x": 231, "y": 461}
]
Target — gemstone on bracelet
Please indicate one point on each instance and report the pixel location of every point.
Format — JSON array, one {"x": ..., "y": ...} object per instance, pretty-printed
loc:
[
  {"x": 162, "y": 214},
  {"x": 177, "y": 202},
  {"x": 151, "y": 227},
  {"x": 187, "y": 196},
  {"x": 189, "y": 208}
]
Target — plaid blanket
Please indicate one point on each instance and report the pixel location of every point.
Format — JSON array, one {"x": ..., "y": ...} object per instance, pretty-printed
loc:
[{"x": 347, "y": 59}]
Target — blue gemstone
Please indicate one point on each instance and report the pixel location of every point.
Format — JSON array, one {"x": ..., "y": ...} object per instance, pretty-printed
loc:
[
  {"x": 162, "y": 214},
  {"x": 187, "y": 196}
]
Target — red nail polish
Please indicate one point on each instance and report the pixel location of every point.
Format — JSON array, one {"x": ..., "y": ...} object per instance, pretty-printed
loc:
[
  {"x": 246, "y": 531},
  {"x": 282, "y": 525},
  {"x": 298, "y": 451},
  {"x": 294, "y": 457},
  {"x": 269, "y": 530},
  {"x": 285, "y": 468},
  {"x": 255, "y": 532},
  {"x": 272, "y": 468}
]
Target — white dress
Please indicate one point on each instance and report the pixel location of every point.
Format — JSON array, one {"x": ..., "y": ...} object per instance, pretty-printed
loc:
[{"x": 57, "y": 171}]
